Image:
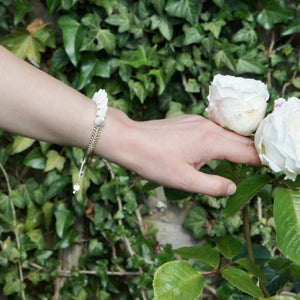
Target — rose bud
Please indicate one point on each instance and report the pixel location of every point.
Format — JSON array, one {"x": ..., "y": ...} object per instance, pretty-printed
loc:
[
  {"x": 237, "y": 103},
  {"x": 277, "y": 138}
]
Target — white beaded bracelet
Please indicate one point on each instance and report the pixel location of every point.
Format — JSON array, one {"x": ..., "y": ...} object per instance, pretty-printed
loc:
[{"x": 100, "y": 98}]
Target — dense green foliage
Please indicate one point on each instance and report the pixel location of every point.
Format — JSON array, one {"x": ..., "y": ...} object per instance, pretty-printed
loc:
[{"x": 156, "y": 59}]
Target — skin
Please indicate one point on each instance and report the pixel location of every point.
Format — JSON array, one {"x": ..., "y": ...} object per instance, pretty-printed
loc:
[{"x": 169, "y": 152}]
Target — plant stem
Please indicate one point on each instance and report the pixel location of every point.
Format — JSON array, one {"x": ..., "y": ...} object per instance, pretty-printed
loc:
[{"x": 247, "y": 232}]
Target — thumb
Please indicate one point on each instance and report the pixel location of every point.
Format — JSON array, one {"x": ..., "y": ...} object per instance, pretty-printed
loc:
[{"x": 213, "y": 185}]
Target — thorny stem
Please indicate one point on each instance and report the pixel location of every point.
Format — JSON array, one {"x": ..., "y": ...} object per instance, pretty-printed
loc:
[{"x": 14, "y": 225}]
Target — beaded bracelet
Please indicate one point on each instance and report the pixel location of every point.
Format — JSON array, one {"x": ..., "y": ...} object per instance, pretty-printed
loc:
[{"x": 100, "y": 98}]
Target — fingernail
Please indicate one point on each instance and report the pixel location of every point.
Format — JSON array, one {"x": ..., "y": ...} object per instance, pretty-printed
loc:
[{"x": 231, "y": 189}]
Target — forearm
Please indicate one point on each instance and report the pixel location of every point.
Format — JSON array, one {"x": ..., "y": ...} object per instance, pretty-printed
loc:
[{"x": 37, "y": 105}]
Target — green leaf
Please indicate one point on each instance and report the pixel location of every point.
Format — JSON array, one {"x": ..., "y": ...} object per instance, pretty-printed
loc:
[
  {"x": 97, "y": 38},
  {"x": 109, "y": 5},
  {"x": 72, "y": 37},
  {"x": 159, "y": 5},
  {"x": 21, "y": 143},
  {"x": 272, "y": 13},
  {"x": 287, "y": 222},
  {"x": 229, "y": 246},
  {"x": 138, "y": 89},
  {"x": 48, "y": 209},
  {"x": 33, "y": 218},
  {"x": 192, "y": 86},
  {"x": 246, "y": 190},
  {"x": 242, "y": 281},
  {"x": 251, "y": 267},
  {"x": 204, "y": 254},
  {"x": 21, "y": 9},
  {"x": 13, "y": 286},
  {"x": 186, "y": 9},
  {"x": 296, "y": 82},
  {"x": 214, "y": 27},
  {"x": 120, "y": 19},
  {"x": 37, "y": 236},
  {"x": 196, "y": 221},
  {"x": 163, "y": 24},
  {"x": 64, "y": 219},
  {"x": 35, "y": 159},
  {"x": 54, "y": 161},
  {"x": 224, "y": 58},
  {"x": 246, "y": 34},
  {"x": 67, "y": 4},
  {"x": 138, "y": 58},
  {"x": 175, "y": 110},
  {"x": 24, "y": 45},
  {"x": 191, "y": 35},
  {"x": 249, "y": 65},
  {"x": 177, "y": 280},
  {"x": 293, "y": 28},
  {"x": 160, "y": 79}
]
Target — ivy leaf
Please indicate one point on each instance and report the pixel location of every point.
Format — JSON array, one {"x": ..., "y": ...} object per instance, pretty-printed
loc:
[
  {"x": 160, "y": 79},
  {"x": 249, "y": 65},
  {"x": 246, "y": 34},
  {"x": 287, "y": 222},
  {"x": 137, "y": 58},
  {"x": 223, "y": 57},
  {"x": 137, "y": 89},
  {"x": 214, "y": 27},
  {"x": 272, "y": 13},
  {"x": 35, "y": 159},
  {"x": 196, "y": 221},
  {"x": 246, "y": 190},
  {"x": 177, "y": 280},
  {"x": 242, "y": 281},
  {"x": 64, "y": 219},
  {"x": 54, "y": 161},
  {"x": 21, "y": 9},
  {"x": 21, "y": 143},
  {"x": 163, "y": 24},
  {"x": 97, "y": 38},
  {"x": 33, "y": 218},
  {"x": 205, "y": 254},
  {"x": 293, "y": 28},
  {"x": 186, "y": 9},
  {"x": 229, "y": 246},
  {"x": 191, "y": 35},
  {"x": 108, "y": 5},
  {"x": 67, "y": 4},
  {"x": 192, "y": 86},
  {"x": 72, "y": 37},
  {"x": 24, "y": 44},
  {"x": 120, "y": 19},
  {"x": 159, "y": 5}
]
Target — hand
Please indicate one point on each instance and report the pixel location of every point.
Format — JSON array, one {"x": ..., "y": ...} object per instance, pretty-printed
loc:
[{"x": 171, "y": 152}]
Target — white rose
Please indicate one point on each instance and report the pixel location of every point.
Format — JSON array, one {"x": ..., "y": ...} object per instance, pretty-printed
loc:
[
  {"x": 277, "y": 138},
  {"x": 237, "y": 103}
]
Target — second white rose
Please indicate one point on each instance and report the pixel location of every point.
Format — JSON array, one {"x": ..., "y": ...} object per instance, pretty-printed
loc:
[
  {"x": 237, "y": 103},
  {"x": 277, "y": 138}
]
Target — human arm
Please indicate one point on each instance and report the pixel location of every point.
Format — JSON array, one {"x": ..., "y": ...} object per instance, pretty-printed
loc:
[{"x": 169, "y": 152}]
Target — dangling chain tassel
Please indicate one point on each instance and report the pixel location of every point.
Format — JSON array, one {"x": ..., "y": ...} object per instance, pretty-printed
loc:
[{"x": 100, "y": 98}]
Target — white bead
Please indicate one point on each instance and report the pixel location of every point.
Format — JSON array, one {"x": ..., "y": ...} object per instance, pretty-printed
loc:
[{"x": 76, "y": 188}]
